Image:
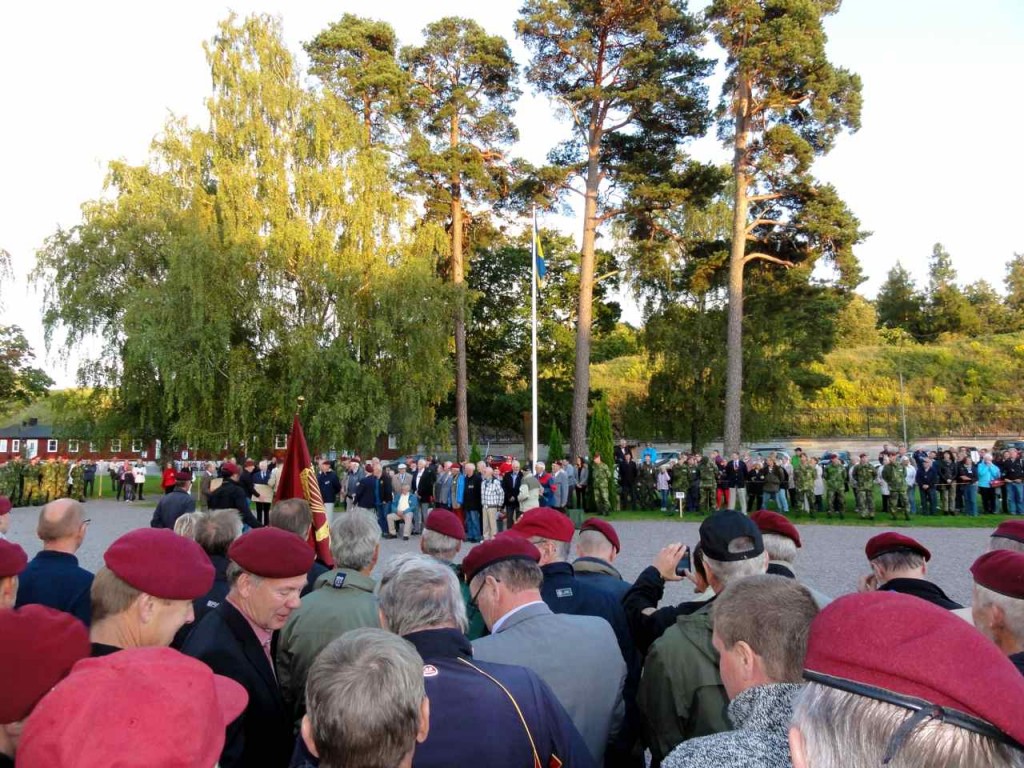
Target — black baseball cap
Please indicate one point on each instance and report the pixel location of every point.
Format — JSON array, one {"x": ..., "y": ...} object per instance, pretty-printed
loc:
[{"x": 725, "y": 526}]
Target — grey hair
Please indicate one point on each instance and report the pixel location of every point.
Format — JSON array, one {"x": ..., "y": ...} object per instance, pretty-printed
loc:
[
  {"x": 594, "y": 544},
  {"x": 419, "y": 592},
  {"x": 186, "y": 524},
  {"x": 563, "y": 549},
  {"x": 728, "y": 572},
  {"x": 354, "y": 538},
  {"x": 214, "y": 531},
  {"x": 1013, "y": 608},
  {"x": 1001, "y": 542},
  {"x": 779, "y": 548},
  {"x": 438, "y": 545},
  {"x": 363, "y": 699},
  {"x": 517, "y": 575},
  {"x": 842, "y": 729},
  {"x": 234, "y": 572},
  {"x": 899, "y": 561}
]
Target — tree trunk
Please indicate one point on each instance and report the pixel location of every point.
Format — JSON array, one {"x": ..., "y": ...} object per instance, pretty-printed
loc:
[
  {"x": 585, "y": 313},
  {"x": 734, "y": 336},
  {"x": 461, "y": 406}
]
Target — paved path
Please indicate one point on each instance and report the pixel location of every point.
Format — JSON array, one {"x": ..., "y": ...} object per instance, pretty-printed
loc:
[{"x": 831, "y": 559}]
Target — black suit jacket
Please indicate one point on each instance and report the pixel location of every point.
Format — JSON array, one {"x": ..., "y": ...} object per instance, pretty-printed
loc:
[
  {"x": 736, "y": 478},
  {"x": 511, "y": 486},
  {"x": 263, "y": 735}
]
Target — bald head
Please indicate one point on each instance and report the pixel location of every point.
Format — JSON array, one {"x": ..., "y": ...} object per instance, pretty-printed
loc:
[{"x": 61, "y": 525}]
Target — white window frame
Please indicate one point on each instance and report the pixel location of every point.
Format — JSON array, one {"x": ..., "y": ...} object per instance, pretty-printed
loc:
[
  {"x": 3, "y": 445},
  {"x": 92, "y": 447},
  {"x": 52, "y": 445},
  {"x": 73, "y": 446},
  {"x": 280, "y": 442},
  {"x": 115, "y": 445},
  {"x": 15, "y": 446},
  {"x": 392, "y": 442},
  {"x": 137, "y": 445}
]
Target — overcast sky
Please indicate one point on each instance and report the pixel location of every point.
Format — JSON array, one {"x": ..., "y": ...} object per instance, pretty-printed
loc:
[{"x": 938, "y": 158}]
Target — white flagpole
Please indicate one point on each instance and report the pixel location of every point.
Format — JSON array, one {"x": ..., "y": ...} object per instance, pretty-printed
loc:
[{"x": 533, "y": 335}]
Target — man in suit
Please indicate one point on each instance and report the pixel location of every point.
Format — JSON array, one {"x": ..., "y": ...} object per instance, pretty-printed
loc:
[
  {"x": 510, "y": 484},
  {"x": 423, "y": 487},
  {"x": 586, "y": 674},
  {"x": 267, "y": 572},
  {"x": 736, "y": 482}
]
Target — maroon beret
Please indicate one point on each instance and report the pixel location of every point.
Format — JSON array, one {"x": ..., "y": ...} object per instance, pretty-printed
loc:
[
  {"x": 12, "y": 559},
  {"x": 920, "y": 654},
  {"x": 1010, "y": 529},
  {"x": 250, "y": 463},
  {"x": 229, "y": 469},
  {"x": 161, "y": 563},
  {"x": 545, "y": 523},
  {"x": 504, "y": 546},
  {"x": 890, "y": 541},
  {"x": 5, "y": 505},
  {"x": 772, "y": 522},
  {"x": 445, "y": 522},
  {"x": 172, "y": 710},
  {"x": 1001, "y": 571},
  {"x": 272, "y": 553},
  {"x": 183, "y": 476},
  {"x": 40, "y": 647},
  {"x": 604, "y": 528}
]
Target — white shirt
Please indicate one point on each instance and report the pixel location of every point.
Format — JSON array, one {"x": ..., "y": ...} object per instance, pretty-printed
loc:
[{"x": 503, "y": 619}]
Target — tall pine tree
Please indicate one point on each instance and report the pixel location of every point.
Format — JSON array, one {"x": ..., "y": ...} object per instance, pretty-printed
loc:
[{"x": 783, "y": 104}]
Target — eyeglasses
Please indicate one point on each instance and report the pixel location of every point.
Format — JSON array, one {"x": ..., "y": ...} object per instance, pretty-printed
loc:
[
  {"x": 473, "y": 599},
  {"x": 87, "y": 521}
]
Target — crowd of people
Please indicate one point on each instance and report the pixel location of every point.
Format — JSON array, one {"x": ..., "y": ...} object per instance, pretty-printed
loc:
[
  {"x": 210, "y": 644},
  {"x": 898, "y": 483}
]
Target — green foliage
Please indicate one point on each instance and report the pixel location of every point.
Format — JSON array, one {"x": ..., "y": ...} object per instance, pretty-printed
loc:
[
  {"x": 556, "y": 451},
  {"x": 474, "y": 453},
  {"x": 20, "y": 381},
  {"x": 498, "y": 341},
  {"x": 266, "y": 257},
  {"x": 602, "y": 443},
  {"x": 356, "y": 59},
  {"x": 1015, "y": 284},
  {"x": 856, "y": 323},
  {"x": 899, "y": 304}
]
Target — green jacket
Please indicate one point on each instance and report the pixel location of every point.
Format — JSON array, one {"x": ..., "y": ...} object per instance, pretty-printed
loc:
[
  {"x": 681, "y": 693},
  {"x": 805, "y": 476},
  {"x": 477, "y": 627},
  {"x": 895, "y": 474},
  {"x": 341, "y": 600}
]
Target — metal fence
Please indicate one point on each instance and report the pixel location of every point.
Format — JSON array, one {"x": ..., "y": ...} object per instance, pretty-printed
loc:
[{"x": 922, "y": 421}]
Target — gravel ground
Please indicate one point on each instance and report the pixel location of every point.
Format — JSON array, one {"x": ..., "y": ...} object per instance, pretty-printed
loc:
[{"x": 831, "y": 559}]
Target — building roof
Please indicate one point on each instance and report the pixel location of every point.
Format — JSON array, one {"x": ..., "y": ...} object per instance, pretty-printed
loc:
[{"x": 28, "y": 432}]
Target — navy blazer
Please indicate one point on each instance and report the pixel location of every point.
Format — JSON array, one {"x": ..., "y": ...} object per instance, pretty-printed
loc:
[
  {"x": 55, "y": 579},
  {"x": 263, "y": 735}
]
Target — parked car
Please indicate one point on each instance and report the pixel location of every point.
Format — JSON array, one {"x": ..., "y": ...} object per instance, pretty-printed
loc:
[
  {"x": 844, "y": 457},
  {"x": 1002, "y": 445},
  {"x": 664, "y": 457},
  {"x": 764, "y": 452}
]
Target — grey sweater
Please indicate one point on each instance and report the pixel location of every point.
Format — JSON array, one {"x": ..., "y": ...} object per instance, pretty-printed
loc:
[{"x": 761, "y": 717}]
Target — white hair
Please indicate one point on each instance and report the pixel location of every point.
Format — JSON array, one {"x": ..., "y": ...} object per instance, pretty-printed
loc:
[{"x": 780, "y": 549}]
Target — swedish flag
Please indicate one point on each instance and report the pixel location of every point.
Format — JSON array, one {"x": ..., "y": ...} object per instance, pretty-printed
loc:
[{"x": 538, "y": 255}]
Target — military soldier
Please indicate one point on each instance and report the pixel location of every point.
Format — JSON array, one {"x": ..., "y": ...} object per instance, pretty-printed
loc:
[
  {"x": 602, "y": 477},
  {"x": 895, "y": 474},
  {"x": 692, "y": 483},
  {"x": 708, "y": 485},
  {"x": 648, "y": 483},
  {"x": 804, "y": 478},
  {"x": 864, "y": 487},
  {"x": 835, "y": 487}
]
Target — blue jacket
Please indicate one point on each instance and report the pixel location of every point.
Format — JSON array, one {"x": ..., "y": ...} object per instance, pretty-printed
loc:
[
  {"x": 330, "y": 486},
  {"x": 56, "y": 580},
  {"x": 414, "y": 502},
  {"x": 473, "y": 721},
  {"x": 170, "y": 507},
  {"x": 366, "y": 492},
  {"x": 987, "y": 473}
]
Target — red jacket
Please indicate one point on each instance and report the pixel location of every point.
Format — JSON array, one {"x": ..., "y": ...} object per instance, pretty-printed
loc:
[{"x": 168, "y": 481}]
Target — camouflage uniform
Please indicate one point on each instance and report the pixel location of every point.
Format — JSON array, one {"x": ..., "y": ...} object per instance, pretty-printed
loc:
[
  {"x": 804, "y": 479},
  {"x": 600, "y": 478},
  {"x": 648, "y": 484},
  {"x": 895, "y": 474},
  {"x": 835, "y": 489},
  {"x": 708, "y": 485},
  {"x": 864, "y": 489},
  {"x": 31, "y": 488}
]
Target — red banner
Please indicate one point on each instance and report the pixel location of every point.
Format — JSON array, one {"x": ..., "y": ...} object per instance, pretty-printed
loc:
[{"x": 298, "y": 481}]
